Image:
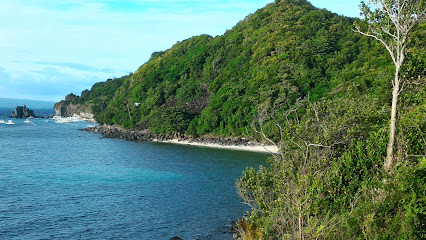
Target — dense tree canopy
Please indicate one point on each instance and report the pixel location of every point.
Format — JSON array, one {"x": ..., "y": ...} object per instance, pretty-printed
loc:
[
  {"x": 300, "y": 77},
  {"x": 278, "y": 54}
]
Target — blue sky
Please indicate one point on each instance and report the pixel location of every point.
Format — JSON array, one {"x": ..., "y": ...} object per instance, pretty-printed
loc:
[{"x": 53, "y": 47}]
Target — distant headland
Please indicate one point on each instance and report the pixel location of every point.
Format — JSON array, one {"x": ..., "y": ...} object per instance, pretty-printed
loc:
[
  {"x": 40, "y": 108},
  {"x": 11, "y": 103}
]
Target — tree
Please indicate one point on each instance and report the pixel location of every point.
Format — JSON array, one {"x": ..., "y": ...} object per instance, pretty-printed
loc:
[{"x": 390, "y": 22}]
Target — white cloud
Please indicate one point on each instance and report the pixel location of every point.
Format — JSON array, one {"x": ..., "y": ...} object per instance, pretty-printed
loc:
[
  {"x": 71, "y": 42},
  {"x": 57, "y": 47}
]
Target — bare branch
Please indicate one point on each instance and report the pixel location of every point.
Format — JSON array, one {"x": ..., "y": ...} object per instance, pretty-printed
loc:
[
  {"x": 357, "y": 30},
  {"x": 265, "y": 137},
  {"x": 388, "y": 10},
  {"x": 324, "y": 146},
  {"x": 388, "y": 32},
  {"x": 421, "y": 134},
  {"x": 316, "y": 115},
  {"x": 272, "y": 153},
  {"x": 402, "y": 88}
]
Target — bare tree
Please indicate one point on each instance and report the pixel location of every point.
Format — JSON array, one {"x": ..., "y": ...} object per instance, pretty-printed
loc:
[
  {"x": 390, "y": 22},
  {"x": 299, "y": 148}
]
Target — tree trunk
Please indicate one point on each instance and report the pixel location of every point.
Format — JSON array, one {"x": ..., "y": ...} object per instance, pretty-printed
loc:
[
  {"x": 300, "y": 224},
  {"x": 392, "y": 131}
]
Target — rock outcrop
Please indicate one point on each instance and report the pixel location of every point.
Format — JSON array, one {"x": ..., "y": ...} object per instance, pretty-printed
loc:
[
  {"x": 22, "y": 112},
  {"x": 67, "y": 108},
  {"x": 114, "y": 131}
]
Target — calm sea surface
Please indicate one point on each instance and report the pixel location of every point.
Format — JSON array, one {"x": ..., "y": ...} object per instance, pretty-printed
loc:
[{"x": 60, "y": 183}]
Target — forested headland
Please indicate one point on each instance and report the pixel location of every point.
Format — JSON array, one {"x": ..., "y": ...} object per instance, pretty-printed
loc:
[{"x": 302, "y": 79}]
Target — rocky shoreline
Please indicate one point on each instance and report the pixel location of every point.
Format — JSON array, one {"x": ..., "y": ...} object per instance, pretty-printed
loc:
[{"x": 238, "y": 143}]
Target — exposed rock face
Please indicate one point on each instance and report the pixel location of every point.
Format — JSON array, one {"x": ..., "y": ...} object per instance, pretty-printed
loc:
[
  {"x": 22, "y": 112},
  {"x": 109, "y": 131},
  {"x": 67, "y": 108}
]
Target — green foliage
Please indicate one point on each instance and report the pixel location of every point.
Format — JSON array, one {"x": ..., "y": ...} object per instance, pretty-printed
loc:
[
  {"x": 329, "y": 182},
  {"x": 324, "y": 163},
  {"x": 393, "y": 208},
  {"x": 171, "y": 120},
  {"x": 170, "y": 79},
  {"x": 415, "y": 63},
  {"x": 97, "y": 98},
  {"x": 278, "y": 54},
  {"x": 188, "y": 93},
  {"x": 391, "y": 23},
  {"x": 303, "y": 78}
]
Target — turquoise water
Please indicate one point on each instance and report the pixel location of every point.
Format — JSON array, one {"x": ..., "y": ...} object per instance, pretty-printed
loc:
[{"x": 60, "y": 183}]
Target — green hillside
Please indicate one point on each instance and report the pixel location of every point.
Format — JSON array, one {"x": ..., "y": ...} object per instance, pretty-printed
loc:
[
  {"x": 276, "y": 55},
  {"x": 301, "y": 78},
  {"x": 92, "y": 101}
]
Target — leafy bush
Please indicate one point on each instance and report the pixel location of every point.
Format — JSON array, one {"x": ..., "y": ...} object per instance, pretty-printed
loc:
[{"x": 328, "y": 182}]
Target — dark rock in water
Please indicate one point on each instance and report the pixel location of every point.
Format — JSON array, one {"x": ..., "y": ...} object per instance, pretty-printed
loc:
[
  {"x": 175, "y": 238},
  {"x": 22, "y": 112}
]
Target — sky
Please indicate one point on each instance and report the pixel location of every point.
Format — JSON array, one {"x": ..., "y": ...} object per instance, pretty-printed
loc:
[{"x": 50, "y": 48}]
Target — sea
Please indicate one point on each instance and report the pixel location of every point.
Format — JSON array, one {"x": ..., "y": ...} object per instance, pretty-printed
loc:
[{"x": 57, "y": 182}]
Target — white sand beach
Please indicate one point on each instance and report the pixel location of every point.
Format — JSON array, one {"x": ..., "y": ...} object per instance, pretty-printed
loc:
[{"x": 254, "y": 148}]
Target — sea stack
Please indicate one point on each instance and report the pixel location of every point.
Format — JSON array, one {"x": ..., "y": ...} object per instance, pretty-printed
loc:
[{"x": 22, "y": 112}]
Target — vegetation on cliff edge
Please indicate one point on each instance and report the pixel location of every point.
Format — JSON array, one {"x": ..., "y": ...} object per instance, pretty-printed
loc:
[{"x": 300, "y": 78}]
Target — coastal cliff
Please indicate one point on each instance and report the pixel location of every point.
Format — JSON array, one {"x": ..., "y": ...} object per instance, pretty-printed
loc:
[
  {"x": 300, "y": 77},
  {"x": 68, "y": 108},
  {"x": 90, "y": 103}
]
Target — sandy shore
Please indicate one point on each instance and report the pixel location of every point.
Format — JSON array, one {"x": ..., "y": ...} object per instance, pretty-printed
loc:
[
  {"x": 254, "y": 148},
  {"x": 240, "y": 144}
]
